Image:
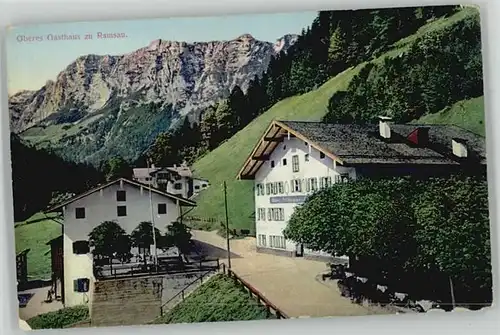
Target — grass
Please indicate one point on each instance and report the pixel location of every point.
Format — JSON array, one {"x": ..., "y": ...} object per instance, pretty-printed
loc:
[
  {"x": 59, "y": 319},
  {"x": 468, "y": 114},
  {"x": 223, "y": 163},
  {"x": 219, "y": 299},
  {"x": 33, "y": 234}
]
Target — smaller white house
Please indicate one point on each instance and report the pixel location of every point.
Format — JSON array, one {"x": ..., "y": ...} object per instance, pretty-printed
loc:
[
  {"x": 126, "y": 202},
  {"x": 175, "y": 180}
]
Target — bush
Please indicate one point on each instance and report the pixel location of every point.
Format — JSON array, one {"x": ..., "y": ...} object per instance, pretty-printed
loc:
[{"x": 59, "y": 319}]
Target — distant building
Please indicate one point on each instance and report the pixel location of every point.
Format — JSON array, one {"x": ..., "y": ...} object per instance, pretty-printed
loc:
[
  {"x": 176, "y": 180},
  {"x": 124, "y": 201},
  {"x": 294, "y": 159}
]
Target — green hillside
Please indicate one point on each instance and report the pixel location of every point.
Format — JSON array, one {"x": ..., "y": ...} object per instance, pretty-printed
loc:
[
  {"x": 219, "y": 299},
  {"x": 468, "y": 114},
  {"x": 223, "y": 163}
]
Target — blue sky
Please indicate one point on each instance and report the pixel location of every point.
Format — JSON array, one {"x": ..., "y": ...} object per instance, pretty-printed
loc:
[{"x": 31, "y": 64}]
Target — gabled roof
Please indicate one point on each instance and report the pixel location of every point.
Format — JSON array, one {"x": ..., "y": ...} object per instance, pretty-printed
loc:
[
  {"x": 353, "y": 144},
  {"x": 144, "y": 172},
  {"x": 183, "y": 201}
]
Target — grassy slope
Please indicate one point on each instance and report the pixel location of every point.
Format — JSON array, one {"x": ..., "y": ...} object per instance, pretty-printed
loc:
[
  {"x": 468, "y": 114},
  {"x": 219, "y": 299},
  {"x": 59, "y": 319},
  {"x": 33, "y": 234},
  {"x": 223, "y": 163}
]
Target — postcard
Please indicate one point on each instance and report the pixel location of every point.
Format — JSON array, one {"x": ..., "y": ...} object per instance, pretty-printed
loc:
[{"x": 249, "y": 167}]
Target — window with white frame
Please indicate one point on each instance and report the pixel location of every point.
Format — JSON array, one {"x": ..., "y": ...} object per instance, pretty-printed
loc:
[
  {"x": 261, "y": 214},
  {"x": 276, "y": 214},
  {"x": 268, "y": 188},
  {"x": 314, "y": 183},
  {"x": 262, "y": 240},
  {"x": 296, "y": 185},
  {"x": 295, "y": 163},
  {"x": 281, "y": 188},
  {"x": 325, "y": 182},
  {"x": 276, "y": 241}
]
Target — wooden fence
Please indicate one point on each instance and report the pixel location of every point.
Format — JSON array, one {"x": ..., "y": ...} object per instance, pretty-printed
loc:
[{"x": 254, "y": 293}]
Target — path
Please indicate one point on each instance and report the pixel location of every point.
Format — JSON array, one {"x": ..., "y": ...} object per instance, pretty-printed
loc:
[
  {"x": 292, "y": 284},
  {"x": 36, "y": 303}
]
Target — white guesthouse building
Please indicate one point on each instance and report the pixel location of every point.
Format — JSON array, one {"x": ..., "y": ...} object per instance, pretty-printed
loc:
[
  {"x": 177, "y": 180},
  {"x": 295, "y": 158},
  {"x": 124, "y": 201}
]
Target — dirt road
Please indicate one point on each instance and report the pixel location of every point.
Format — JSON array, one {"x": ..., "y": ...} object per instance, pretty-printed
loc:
[{"x": 292, "y": 284}]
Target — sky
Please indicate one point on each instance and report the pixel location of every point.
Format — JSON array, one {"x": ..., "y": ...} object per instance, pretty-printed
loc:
[{"x": 31, "y": 63}]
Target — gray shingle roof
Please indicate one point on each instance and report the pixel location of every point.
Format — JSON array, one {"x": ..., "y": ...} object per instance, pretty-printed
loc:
[{"x": 361, "y": 144}]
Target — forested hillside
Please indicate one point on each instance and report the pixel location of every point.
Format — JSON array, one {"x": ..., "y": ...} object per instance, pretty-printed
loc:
[
  {"x": 39, "y": 177},
  {"x": 457, "y": 37},
  {"x": 335, "y": 41}
]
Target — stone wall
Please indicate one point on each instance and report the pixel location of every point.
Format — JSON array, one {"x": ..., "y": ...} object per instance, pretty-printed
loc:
[{"x": 128, "y": 301}]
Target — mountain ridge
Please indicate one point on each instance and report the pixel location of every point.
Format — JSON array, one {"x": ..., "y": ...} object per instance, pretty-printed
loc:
[{"x": 87, "y": 106}]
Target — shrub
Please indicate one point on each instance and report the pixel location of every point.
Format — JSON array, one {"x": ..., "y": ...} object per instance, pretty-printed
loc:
[{"x": 59, "y": 319}]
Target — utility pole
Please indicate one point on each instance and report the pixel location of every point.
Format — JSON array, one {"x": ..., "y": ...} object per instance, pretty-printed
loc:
[
  {"x": 227, "y": 229},
  {"x": 452, "y": 291},
  {"x": 155, "y": 256}
]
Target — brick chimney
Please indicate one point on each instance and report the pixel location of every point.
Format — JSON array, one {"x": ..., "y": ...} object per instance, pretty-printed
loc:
[
  {"x": 419, "y": 136},
  {"x": 459, "y": 147},
  {"x": 384, "y": 126}
]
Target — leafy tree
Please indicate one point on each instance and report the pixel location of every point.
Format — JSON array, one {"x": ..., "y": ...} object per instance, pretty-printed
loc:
[
  {"x": 406, "y": 232},
  {"x": 142, "y": 237},
  {"x": 180, "y": 236},
  {"x": 116, "y": 167},
  {"x": 110, "y": 241}
]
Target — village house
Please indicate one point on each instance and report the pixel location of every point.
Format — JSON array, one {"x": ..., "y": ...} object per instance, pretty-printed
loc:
[
  {"x": 126, "y": 202},
  {"x": 295, "y": 158},
  {"x": 175, "y": 180}
]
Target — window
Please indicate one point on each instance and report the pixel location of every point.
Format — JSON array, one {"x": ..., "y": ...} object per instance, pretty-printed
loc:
[
  {"x": 281, "y": 189},
  {"x": 325, "y": 182},
  {"x": 147, "y": 179},
  {"x": 204, "y": 185},
  {"x": 305, "y": 143},
  {"x": 321, "y": 155},
  {"x": 262, "y": 240},
  {"x": 306, "y": 157},
  {"x": 144, "y": 250},
  {"x": 295, "y": 163},
  {"x": 277, "y": 242},
  {"x": 177, "y": 186},
  {"x": 274, "y": 188},
  {"x": 275, "y": 214},
  {"x": 81, "y": 247},
  {"x": 162, "y": 208},
  {"x": 197, "y": 187},
  {"x": 268, "y": 188},
  {"x": 121, "y": 195},
  {"x": 121, "y": 210},
  {"x": 261, "y": 214},
  {"x": 284, "y": 161},
  {"x": 260, "y": 189},
  {"x": 272, "y": 164},
  {"x": 296, "y": 185},
  {"x": 80, "y": 212},
  {"x": 284, "y": 147},
  {"x": 314, "y": 184}
]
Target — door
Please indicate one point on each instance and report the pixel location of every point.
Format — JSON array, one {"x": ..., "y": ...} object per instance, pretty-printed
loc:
[{"x": 299, "y": 252}]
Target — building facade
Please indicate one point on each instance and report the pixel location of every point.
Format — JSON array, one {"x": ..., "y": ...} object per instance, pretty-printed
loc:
[
  {"x": 126, "y": 202},
  {"x": 294, "y": 159},
  {"x": 177, "y": 180}
]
